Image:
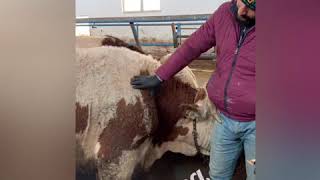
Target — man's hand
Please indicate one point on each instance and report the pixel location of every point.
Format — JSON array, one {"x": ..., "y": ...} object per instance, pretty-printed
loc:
[{"x": 146, "y": 82}]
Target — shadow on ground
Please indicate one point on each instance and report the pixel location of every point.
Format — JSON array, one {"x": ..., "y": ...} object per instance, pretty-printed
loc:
[{"x": 173, "y": 166}]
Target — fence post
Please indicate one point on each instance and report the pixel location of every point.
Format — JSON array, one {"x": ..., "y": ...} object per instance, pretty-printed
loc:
[{"x": 135, "y": 34}]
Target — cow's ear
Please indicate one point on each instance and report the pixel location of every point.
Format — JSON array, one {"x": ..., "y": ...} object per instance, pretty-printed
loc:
[{"x": 201, "y": 95}]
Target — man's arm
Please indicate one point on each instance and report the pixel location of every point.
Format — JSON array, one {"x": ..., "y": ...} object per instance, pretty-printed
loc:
[{"x": 199, "y": 42}]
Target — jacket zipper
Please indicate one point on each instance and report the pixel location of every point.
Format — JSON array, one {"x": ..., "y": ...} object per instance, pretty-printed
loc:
[{"x": 243, "y": 34}]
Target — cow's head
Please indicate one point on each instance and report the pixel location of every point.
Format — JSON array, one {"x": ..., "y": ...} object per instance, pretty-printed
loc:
[
  {"x": 202, "y": 109},
  {"x": 199, "y": 118}
]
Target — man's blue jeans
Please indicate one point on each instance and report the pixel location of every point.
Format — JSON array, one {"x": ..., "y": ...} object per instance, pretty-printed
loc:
[{"x": 229, "y": 137}]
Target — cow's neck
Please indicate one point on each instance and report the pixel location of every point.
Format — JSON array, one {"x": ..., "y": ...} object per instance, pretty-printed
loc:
[
  {"x": 205, "y": 125},
  {"x": 205, "y": 115}
]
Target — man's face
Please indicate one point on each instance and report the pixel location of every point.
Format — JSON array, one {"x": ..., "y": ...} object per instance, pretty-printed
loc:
[{"x": 245, "y": 14}]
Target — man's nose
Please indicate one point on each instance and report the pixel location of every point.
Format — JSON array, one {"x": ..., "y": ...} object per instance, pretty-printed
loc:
[{"x": 243, "y": 11}]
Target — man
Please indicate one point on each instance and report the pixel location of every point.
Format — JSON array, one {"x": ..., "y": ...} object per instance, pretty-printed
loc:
[{"x": 231, "y": 29}]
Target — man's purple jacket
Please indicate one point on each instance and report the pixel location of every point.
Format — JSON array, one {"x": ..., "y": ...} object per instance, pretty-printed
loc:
[{"x": 232, "y": 87}]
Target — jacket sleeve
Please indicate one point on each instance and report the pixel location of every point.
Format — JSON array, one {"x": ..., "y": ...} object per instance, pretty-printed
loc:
[{"x": 200, "y": 41}]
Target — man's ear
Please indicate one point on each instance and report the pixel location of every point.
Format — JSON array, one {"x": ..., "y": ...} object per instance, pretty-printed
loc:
[{"x": 201, "y": 95}]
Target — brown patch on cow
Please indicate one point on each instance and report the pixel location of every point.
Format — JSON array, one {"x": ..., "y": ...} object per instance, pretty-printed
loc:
[
  {"x": 82, "y": 116},
  {"x": 121, "y": 131},
  {"x": 201, "y": 94},
  {"x": 176, "y": 132},
  {"x": 113, "y": 41},
  {"x": 172, "y": 94}
]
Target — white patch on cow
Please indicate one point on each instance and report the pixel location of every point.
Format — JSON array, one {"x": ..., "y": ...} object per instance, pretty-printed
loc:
[
  {"x": 97, "y": 148},
  {"x": 136, "y": 139},
  {"x": 157, "y": 152},
  {"x": 130, "y": 159},
  {"x": 146, "y": 118},
  {"x": 204, "y": 130},
  {"x": 100, "y": 69}
]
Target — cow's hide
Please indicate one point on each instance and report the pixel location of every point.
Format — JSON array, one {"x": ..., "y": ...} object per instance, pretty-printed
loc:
[{"x": 115, "y": 124}]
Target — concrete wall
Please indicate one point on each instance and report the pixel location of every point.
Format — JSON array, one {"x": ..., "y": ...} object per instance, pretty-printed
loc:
[{"x": 113, "y": 8}]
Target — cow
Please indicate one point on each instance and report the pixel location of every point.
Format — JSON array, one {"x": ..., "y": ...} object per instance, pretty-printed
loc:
[{"x": 119, "y": 128}]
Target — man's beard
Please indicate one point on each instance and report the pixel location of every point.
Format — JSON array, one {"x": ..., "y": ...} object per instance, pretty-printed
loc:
[{"x": 246, "y": 21}]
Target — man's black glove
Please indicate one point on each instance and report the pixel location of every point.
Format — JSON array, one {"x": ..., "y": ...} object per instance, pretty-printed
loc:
[{"x": 146, "y": 82}]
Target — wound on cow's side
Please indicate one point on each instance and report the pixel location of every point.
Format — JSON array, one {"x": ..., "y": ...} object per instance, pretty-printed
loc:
[
  {"x": 121, "y": 131},
  {"x": 113, "y": 41},
  {"x": 82, "y": 116},
  {"x": 172, "y": 94}
]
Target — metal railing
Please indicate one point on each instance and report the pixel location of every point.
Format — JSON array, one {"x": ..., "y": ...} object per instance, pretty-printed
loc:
[{"x": 177, "y": 23}]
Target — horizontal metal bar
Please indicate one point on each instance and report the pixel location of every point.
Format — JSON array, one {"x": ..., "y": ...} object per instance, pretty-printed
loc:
[
  {"x": 195, "y": 17},
  {"x": 206, "y": 57},
  {"x": 189, "y": 28},
  {"x": 153, "y": 44},
  {"x": 202, "y": 70},
  {"x": 183, "y": 36},
  {"x": 153, "y": 24}
]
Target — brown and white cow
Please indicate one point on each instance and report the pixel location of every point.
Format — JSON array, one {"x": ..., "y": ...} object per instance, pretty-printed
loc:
[{"x": 119, "y": 128}]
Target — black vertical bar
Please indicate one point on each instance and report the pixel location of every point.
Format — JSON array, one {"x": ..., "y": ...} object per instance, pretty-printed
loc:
[
  {"x": 174, "y": 35},
  {"x": 135, "y": 34}
]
